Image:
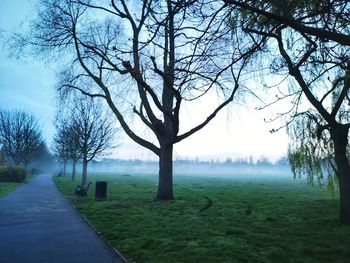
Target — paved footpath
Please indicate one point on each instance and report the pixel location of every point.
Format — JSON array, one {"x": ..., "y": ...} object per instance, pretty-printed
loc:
[{"x": 37, "y": 224}]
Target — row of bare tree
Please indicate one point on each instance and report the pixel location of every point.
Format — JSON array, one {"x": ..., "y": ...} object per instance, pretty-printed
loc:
[
  {"x": 153, "y": 58},
  {"x": 83, "y": 133}
]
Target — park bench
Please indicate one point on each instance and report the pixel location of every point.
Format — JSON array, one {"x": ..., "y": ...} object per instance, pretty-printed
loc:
[{"x": 81, "y": 190}]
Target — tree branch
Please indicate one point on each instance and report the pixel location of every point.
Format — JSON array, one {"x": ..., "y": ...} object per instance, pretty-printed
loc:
[
  {"x": 209, "y": 118},
  {"x": 342, "y": 39},
  {"x": 343, "y": 93},
  {"x": 295, "y": 72}
]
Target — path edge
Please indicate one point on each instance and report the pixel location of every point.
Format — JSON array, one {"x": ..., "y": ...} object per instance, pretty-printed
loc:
[{"x": 86, "y": 220}]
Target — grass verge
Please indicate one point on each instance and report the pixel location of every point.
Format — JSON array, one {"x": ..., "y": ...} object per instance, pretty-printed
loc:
[
  {"x": 248, "y": 221},
  {"x": 6, "y": 187}
]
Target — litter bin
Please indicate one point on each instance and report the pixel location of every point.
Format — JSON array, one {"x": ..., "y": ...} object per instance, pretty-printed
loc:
[{"x": 101, "y": 190}]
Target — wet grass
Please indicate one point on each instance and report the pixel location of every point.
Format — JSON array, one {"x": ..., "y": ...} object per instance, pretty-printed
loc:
[
  {"x": 6, "y": 187},
  {"x": 249, "y": 220}
]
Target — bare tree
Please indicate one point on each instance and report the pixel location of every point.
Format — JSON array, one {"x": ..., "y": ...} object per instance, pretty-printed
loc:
[
  {"x": 21, "y": 135},
  {"x": 75, "y": 154},
  {"x": 83, "y": 132},
  {"x": 309, "y": 48},
  {"x": 147, "y": 58},
  {"x": 94, "y": 130},
  {"x": 60, "y": 147},
  {"x": 66, "y": 143}
]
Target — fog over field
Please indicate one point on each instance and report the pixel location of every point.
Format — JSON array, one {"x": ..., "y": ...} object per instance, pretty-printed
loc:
[{"x": 266, "y": 171}]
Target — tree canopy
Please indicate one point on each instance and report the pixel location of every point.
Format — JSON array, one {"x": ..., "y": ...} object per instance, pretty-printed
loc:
[
  {"x": 21, "y": 136},
  {"x": 146, "y": 60},
  {"x": 83, "y": 133}
]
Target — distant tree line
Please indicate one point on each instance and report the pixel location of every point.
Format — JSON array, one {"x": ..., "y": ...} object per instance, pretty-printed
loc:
[
  {"x": 262, "y": 161},
  {"x": 21, "y": 137}
]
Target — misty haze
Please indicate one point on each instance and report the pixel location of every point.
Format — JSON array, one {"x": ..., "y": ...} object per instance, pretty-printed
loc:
[
  {"x": 239, "y": 169},
  {"x": 174, "y": 131}
]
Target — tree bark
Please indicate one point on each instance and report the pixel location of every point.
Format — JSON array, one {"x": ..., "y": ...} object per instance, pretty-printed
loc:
[
  {"x": 339, "y": 136},
  {"x": 64, "y": 168},
  {"x": 165, "y": 185},
  {"x": 84, "y": 174},
  {"x": 344, "y": 195},
  {"x": 73, "y": 170}
]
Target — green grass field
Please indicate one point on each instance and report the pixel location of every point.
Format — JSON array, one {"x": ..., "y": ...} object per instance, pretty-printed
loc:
[{"x": 249, "y": 220}]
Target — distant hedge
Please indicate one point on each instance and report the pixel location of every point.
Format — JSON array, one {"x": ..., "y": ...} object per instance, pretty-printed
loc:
[{"x": 12, "y": 174}]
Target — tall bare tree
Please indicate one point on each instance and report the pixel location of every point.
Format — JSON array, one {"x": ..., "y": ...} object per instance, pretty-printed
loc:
[
  {"x": 66, "y": 143},
  {"x": 148, "y": 58},
  {"x": 309, "y": 47},
  {"x": 75, "y": 154},
  {"x": 83, "y": 133},
  {"x": 94, "y": 130},
  {"x": 21, "y": 135}
]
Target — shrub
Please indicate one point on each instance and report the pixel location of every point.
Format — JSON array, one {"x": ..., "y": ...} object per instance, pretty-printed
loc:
[{"x": 12, "y": 174}]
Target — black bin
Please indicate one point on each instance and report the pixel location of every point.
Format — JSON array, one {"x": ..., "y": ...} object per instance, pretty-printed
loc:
[{"x": 101, "y": 190}]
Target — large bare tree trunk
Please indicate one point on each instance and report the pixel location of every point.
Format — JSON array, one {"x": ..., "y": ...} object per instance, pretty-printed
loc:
[
  {"x": 344, "y": 195},
  {"x": 84, "y": 174},
  {"x": 340, "y": 138},
  {"x": 165, "y": 185}
]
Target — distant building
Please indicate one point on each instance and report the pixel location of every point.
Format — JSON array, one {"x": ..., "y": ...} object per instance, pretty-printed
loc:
[{"x": 2, "y": 155}]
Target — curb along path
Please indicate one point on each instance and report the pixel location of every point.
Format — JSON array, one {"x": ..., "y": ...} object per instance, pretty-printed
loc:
[{"x": 37, "y": 224}]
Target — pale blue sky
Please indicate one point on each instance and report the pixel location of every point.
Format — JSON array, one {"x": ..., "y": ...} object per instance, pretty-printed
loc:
[
  {"x": 28, "y": 84},
  {"x": 25, "y": 84}
]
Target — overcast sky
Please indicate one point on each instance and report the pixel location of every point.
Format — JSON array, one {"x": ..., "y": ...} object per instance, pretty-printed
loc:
[{"x": 28, "y": 84}]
